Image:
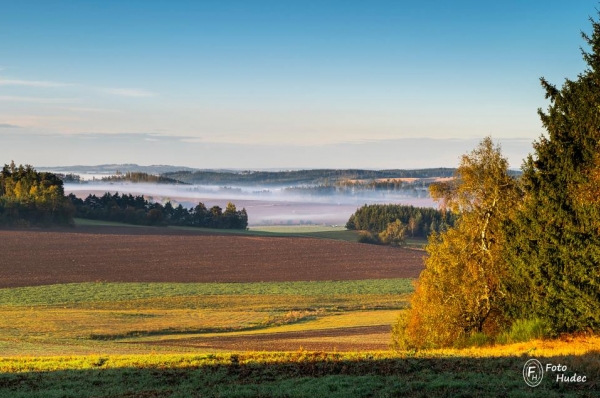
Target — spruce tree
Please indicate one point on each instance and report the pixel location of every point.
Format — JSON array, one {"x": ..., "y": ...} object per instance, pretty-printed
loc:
[{"x": 555, "y": 245}]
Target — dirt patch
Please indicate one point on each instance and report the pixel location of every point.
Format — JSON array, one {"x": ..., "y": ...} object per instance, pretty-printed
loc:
[
  {"x": 361, "y": 338},
  {"x": 125, "y": 254}
]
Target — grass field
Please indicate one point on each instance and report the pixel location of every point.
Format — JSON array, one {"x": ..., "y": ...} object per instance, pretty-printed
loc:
[
  {"x": 109, "y": 292},
  {"x": 140, "y": 317},
  {"x": 182, "y": 340},
  {"x": 323, "y": 338}
]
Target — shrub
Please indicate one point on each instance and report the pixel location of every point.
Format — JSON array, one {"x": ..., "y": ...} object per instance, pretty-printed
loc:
[
  {"x": 524, "y": 330},
  {"x": 393, "y": 234},
  {"x": 477, "y": 339},
  {"x": 367, "y": 237},
  {"x": 399, "y": 340}
]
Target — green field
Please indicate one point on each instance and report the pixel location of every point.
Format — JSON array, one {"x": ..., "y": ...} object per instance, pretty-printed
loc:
[
  {"x": 179, "y": 340},
  {"x": 94, "y": 317},
  {"x": 132, "y": 340},
  {"x": 74, "y": 293}
]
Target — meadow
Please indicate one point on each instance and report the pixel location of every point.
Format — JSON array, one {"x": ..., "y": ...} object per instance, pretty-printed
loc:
[
  {"x": 248, "y": 338},
  {"x": 145, "y": 317}
]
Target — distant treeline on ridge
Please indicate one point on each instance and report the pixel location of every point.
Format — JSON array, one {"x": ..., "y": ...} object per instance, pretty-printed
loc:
[
  {"x": 319, "y": 176},
  {"x": 138, "y": 177},
  {"x": 137, "y": 210}
]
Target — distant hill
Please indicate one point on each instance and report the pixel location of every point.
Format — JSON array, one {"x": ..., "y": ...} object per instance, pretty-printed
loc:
[
  {"x": 300, "y": 177},
  {"x": 113, "y": 168},
  {"x": 136, "y": 177},
  {"x": 190, "y": 175}
]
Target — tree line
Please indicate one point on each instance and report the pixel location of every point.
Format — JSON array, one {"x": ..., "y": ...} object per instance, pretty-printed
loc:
[
  {"x": 139, "y": 177},
  {"x": 362, "y": 188},
  {"x": 31, "y": 198},
  {"x": 294, "y": 177},
  {"x": 419, "y": 221},
  {"x": 137, "y": 210}
]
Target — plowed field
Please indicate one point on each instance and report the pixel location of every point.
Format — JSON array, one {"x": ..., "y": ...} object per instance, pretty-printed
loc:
[
  {"x": 362, "y": 338},
  {"x": 128, "y": 254}
]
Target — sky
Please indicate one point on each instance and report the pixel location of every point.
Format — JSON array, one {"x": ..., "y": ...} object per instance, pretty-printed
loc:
[{"x": 279, "y": 84}]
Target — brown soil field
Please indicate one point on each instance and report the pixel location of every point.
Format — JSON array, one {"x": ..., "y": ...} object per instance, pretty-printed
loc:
[
  {"x": 130, "y": 254},
  {"x": 363, "y": 338}
]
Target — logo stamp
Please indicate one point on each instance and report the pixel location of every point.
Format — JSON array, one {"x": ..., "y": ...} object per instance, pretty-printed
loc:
[{"x": 533, "y": 372}]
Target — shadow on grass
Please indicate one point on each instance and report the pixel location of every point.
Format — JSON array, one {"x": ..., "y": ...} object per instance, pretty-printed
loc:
[{"x": 309, "y": 375}]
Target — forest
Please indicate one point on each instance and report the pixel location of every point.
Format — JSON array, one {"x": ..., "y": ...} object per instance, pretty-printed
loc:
[
  {"x": 296, "y": 177},
  {"x": 137, "y": 210},
  {"x": 29, "y": 198},
  {"x": 367, "y": 188},
  {"x": 139, "y": 177},
  {"x": 419, "y": 221}
]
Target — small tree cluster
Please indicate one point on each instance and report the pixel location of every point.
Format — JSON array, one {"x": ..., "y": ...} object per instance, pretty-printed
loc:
[
  {"x": 393, "y": 235},
  {"x": 419, "y": 221}
]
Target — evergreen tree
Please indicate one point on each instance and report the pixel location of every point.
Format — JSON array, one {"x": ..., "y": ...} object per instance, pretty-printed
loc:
[{"x": 555, "y": 246}]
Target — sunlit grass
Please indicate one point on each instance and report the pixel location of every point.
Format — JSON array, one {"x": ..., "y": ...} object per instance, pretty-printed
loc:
[
  {"x": 314, "y": 321},
  {"x": 94, "y": 317},
  {"x": 290, "y": 374},
  {"x": 537, "y": 348}
]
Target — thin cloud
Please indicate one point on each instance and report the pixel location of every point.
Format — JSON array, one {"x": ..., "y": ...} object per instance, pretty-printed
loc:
[
  {"x": 128, "y": 92},
  {"x": 191, "y": 139},
  {"x": 8, "y": 126},
  {"x": 31, "y": 83},
  {"x": 122, "y": 92},
  {"x": 37, "y": 99},
  {"x": 89, "y": 110}
]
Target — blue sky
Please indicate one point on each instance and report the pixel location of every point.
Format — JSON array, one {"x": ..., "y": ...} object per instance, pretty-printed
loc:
[{"x": 278, "y": 84}]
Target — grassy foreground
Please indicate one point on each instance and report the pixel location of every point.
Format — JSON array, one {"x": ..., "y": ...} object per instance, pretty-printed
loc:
[
  {"x": 140, "y": 318},
  {"x": 145, "y": 340},
  {"x": 488, "y": 371}
]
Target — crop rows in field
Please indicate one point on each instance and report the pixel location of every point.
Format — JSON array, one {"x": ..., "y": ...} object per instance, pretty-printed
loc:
[{"x": 123, "y": 254}]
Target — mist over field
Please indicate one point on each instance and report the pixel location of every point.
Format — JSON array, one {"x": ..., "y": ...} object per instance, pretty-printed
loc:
[{"x": 264, "y": 204}]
